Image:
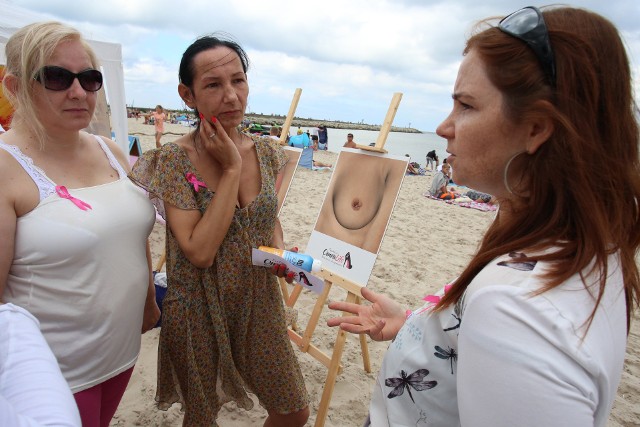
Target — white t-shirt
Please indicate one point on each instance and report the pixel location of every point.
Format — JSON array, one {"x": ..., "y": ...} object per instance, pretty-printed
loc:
[
  {"x": 32, "y": 389},
  {"x": 516, "y": 359}
]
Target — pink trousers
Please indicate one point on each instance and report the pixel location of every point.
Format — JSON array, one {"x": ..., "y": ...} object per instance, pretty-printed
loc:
[{"x": 98, "y": 404}]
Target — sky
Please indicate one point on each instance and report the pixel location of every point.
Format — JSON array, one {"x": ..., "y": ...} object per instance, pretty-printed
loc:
[{"x": 349, "y": 57}]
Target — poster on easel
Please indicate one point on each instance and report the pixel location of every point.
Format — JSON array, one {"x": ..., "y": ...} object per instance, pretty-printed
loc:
[
  {"x": 6, "y": 110},
  {"x": 355, "y": 212}
]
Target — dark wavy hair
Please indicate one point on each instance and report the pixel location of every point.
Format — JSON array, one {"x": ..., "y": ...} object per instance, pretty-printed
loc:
[{"x": 583, "y": 184}]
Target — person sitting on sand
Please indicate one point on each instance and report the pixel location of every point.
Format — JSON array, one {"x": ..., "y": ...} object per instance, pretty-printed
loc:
[
  {"x": 439, "y": 184},
  {"x": 316, "y": 163}
]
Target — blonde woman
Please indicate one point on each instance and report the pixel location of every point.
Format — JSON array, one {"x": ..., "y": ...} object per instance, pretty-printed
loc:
[{"x": 74, "y": 228}]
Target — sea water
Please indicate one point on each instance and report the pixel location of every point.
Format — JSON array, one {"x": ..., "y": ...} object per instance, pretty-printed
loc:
[{"x": 416, "y": 145}]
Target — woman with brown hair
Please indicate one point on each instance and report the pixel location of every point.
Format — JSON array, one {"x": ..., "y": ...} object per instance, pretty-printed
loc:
[{"x": 533, "y": 331}]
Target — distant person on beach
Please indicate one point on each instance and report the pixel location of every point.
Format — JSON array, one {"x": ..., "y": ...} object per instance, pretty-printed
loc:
[
  {"x": 74, "y": 229},
  {"x": 439, "y": 184},
  {"x": 159, "y": 117},
  {"x": 449, "y": 173},
  {"x": 432, "y": 160},
  {"x": 323, "y": 138},
  {"x": 317, "y": 163},
  {"x": 223, "y": 323},
  {"x": 350, "y": 142},
  {"x": 533, "y": 331},
  {"x": 274, "y": 132}
]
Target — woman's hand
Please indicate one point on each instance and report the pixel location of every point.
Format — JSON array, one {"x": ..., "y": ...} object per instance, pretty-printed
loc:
[
  {"x": 381, "y": 320},
  {"x": 281, "y": 270},
  {"x": 218, "y": 144}
]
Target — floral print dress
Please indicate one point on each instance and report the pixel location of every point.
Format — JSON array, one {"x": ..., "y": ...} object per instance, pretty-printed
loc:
[{"x": 223, "y": 327}]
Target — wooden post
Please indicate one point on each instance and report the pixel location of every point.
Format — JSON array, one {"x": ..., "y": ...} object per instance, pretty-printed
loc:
[
  {"x": 332, "y": 375},
  {"x": 386, "y": 126},
  {"x": 287, "y": 123}
]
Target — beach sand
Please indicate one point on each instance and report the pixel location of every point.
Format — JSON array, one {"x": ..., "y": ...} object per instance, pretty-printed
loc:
[{"x": 426, "y": 245}]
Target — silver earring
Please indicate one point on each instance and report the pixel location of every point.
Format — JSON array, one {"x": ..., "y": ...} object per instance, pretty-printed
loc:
[{"x": 505, "y": 176}]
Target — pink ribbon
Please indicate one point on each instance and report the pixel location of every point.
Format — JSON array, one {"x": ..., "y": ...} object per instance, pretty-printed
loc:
[
  {"x": 434, "y": 299},
  {"x": 64, "y": 193},
  {"x": 191, "y": 177}
]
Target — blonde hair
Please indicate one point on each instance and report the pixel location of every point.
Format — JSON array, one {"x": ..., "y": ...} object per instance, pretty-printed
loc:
[{"x": 27, "y": 51}]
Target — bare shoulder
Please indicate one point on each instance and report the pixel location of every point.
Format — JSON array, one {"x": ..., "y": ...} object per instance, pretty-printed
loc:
[
  {"x": 117, "y": 152},
  {"x": 20, "y": 195}
]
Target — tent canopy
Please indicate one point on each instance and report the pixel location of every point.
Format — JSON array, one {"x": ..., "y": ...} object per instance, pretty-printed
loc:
[{"x": 13, "y": 18}]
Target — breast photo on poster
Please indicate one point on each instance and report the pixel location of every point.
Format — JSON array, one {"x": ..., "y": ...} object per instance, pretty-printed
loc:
[{"x": 356, "y": 211}]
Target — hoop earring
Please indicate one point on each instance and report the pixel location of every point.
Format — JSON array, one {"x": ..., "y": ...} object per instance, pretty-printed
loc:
[{"x": 505, "y": 177}]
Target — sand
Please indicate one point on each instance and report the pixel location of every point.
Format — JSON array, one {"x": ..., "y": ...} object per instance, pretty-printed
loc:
[{"x": 426, "y": 245}]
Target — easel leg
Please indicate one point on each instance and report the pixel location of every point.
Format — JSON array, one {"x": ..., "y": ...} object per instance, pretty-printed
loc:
[
  {"x": 315, "y": 316},
  {"x": 330, "y": 383},
  {"x": 287, "y": 298}
]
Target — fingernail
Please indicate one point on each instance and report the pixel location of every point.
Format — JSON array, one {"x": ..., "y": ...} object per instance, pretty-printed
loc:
[
  {"x": 213, "y": 119},
  {"x": 201, "y": 116},
  {"x": 295, "y": 249}
]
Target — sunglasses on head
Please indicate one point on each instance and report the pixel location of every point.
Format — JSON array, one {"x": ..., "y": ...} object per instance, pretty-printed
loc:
[
  {"x": 527, "y": 24},
  {"x": 58, "y": 78}
]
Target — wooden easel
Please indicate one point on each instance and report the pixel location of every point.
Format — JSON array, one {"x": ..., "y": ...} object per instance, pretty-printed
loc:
[{"x": 354, "y": 295}]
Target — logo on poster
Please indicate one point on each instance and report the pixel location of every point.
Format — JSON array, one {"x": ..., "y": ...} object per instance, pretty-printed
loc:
[{"x": 337, "y": 258}]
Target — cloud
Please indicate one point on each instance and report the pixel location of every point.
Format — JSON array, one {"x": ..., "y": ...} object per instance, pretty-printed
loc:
[{"x": 348, "y": 57}]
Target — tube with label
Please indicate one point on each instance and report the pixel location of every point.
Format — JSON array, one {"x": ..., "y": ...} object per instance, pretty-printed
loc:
[{"x": 303, "y": 261}]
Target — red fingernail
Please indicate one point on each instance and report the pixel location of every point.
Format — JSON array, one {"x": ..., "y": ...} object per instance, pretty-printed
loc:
[
  {"x": 295, "y": 249},
  {"x": 201, "y": 116},
  {"x": 213, "y": 119},
  {"x": 291, "y": 274}
]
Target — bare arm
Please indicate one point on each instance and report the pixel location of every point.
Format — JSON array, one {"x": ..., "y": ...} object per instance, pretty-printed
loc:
[
  {"x": 200, "y": 235},
  {"x": 7, "y": 239},
  {"x": 9, "y": 192}
]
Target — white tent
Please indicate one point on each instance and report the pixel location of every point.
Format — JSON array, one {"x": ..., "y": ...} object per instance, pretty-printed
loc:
[{"x": 110, "y": 55}]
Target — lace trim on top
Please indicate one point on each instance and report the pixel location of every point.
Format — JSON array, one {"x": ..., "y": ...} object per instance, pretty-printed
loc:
[{"x": 46, "y": 186}]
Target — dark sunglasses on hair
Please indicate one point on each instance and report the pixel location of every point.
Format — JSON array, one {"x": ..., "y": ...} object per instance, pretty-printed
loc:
[
  {"x": 527, "y": 24},
  {"x": 58, "y": 78}
]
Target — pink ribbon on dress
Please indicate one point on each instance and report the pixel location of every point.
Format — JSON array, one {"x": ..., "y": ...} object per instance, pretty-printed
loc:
[
  {"x": 191, "y": 177},
  {"x": 64, "y": 193}
]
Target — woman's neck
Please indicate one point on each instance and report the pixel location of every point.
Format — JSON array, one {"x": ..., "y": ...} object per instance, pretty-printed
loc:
[{"x": 54, "y": 142}]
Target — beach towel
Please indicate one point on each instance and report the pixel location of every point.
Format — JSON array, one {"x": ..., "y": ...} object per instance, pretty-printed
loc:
[{"x": 466, "y": 202}]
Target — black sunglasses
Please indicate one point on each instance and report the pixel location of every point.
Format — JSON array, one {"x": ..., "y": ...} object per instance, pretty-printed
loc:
[
  {"x": 527, "y": 24},
  {"x": 58, "y": 78}
]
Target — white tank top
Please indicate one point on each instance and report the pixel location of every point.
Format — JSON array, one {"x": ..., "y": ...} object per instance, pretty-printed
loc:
[{"x": 83, "y": 273}]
